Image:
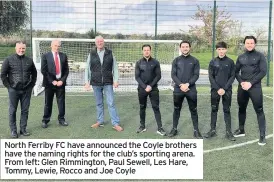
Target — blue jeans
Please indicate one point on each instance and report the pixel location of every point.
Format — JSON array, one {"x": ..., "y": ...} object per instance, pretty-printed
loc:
[{"x": 99, "y": 96}]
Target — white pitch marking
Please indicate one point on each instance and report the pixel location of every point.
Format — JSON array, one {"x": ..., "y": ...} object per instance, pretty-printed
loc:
[{"x": 236, "y": 145}]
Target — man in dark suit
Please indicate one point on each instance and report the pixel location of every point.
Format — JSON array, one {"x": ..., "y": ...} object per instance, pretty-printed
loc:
[{"x": 54, "y": 67}]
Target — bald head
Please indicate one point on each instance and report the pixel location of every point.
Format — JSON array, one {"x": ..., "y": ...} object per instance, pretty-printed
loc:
[{"x": 55, "y": 45}]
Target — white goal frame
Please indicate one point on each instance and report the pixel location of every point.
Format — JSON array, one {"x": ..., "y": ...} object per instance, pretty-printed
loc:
[{"x": 37, "y": 60}]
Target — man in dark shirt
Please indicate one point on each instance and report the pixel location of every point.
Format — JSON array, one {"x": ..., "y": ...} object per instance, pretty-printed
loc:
[
  {"x": 221, "y": 72},
  {"x": 147, "y": 74},
  {"x": 185, "y": 72},
  {"x": 250, "y": 70},
  {"x": 19, "y": 75}
]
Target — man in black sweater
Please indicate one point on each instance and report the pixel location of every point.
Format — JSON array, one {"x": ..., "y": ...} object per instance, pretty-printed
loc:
[
  {"x": 185, "y": 72},
  {"x": 147, "y": 74},
  {"x": 221, "y": 72},
  {"x": 250, "y": 70},
  {"x": 19, "y": 75}
]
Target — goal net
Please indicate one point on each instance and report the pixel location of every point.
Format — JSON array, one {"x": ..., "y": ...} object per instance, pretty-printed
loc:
[{"x": 126, "y": 52}]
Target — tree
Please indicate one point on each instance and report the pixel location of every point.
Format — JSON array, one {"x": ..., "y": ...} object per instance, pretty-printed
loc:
[
  {"x": 13, "y": 16},
  {"x": 205, "y": 31},
  {"x": 260, "y": 33},
  {"x": 91, "y": 34},
  {"x": 119, "y": 36}
]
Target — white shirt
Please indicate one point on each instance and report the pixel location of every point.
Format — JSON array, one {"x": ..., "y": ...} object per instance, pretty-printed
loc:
[{"x": 59, "y": 75}]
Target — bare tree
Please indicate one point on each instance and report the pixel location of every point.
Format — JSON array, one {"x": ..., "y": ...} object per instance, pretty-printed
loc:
[
  {"x": 205, "y": 31},
  {"x": 260, "y": 33}
]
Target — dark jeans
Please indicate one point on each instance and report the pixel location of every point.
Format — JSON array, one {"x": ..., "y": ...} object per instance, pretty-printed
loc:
[
  {"x": 256, "y": 96},
  {"x": 178, "y": 98},
  {"x": 154, "y": 99},
  {"x": 226, "y": 100},
  {"x": 60, "y": 97},
  {"x": 24, "y": 97}
]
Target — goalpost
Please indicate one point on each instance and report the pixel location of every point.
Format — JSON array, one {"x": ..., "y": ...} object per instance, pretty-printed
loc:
[{"x": 126, "y": 52}]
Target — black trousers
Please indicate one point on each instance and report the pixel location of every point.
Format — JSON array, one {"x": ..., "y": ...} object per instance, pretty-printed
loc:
[
  {"x": 60, "y": 97},
  {"x": 154, "y": 99},
  {"x": 256, "y": 96},
  {"x": 178, "y": 98},
  {"x": 226, "y": 100},
  {"x": 24, "y": 97}
]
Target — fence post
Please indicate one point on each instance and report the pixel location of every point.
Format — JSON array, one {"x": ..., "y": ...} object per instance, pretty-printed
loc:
[
  {"x": 30, "y": 19},
  {"x": 156, "y": 24},
  {"x": 95, "y": 23},
  {"x": 269, "y": 43},
  {"x": 214, "y": 29}
]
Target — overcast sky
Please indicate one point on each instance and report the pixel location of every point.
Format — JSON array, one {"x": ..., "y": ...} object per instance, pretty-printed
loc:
[{"x": 138, "y": 16}]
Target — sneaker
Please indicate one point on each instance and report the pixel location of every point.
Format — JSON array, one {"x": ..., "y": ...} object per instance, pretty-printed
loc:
[
  {"x": 161, "y": 131},
  {"x": 211, "y": 133},
  {"x": 118, "y": 128},
  {"x": 173, "y": 132},
  {"x": 141, "y": 129},
  {"x": 239, "y": 133},
  {"x": 97, "y": 124},
  {"x": 262, "y": 140},
  {"x": 197, "y": 134},
  {"x": 230, "y": 136}
]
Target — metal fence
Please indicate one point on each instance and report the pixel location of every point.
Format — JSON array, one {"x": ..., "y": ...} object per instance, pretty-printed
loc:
[{"x": 203, "y": 22}]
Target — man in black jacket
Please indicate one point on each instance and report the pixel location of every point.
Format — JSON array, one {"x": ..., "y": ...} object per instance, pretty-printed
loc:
[
  {"x": 221, "y": 72},
  {"x": 147, "y": 74},
  {"x": 19, "y": 75},
  {"x": 250, "y": 70},
  {"x": 55, "y": 70},
  {"x": 185, "y": 72}
]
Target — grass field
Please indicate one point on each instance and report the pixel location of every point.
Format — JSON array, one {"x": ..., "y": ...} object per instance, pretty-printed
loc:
[{"x": 249, "y": 162}]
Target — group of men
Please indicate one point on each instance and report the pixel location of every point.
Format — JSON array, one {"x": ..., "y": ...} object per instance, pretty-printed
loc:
[
  {"x": 249, "y": 70},
  {"x": 19, "y": 76}
]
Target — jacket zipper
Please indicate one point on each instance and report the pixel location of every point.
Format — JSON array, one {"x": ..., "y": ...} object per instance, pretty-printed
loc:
[{"x": 22, "y": 72}]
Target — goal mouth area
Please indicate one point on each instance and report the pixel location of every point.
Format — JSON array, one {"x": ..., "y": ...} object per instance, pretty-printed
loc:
[{"x": 126, "y": 52}]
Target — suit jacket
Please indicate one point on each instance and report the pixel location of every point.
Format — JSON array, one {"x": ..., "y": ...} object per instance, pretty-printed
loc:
[{"x": 48, "y": 68}]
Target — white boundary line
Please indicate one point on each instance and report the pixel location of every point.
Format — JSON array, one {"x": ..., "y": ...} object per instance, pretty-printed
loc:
[{"x": 236, "y": 145}]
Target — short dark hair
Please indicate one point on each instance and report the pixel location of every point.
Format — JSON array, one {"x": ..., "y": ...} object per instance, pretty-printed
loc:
[
  {"x": 146, "y": 45},
  {"x": 20, "y": 42},
  {"x": 250, "y": 37},
  {"x": 185, "y": 41},
  {"x": 221, "y": 45}
]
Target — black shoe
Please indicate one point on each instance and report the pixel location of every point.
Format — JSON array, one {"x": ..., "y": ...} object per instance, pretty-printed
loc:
[
  {"x": 239, "y": 133},
  {"x": 44, "y": 125},
  {"x": 14, "y": 134},
  {"x": 262, "y": 140},
  {"x": 230, "y": 136},
  {"x": 63, "y": 123},
  {"x": 211, "y": 133},
  {"x": 197, "y": 134},
  {"x": 141, "y": 129},
  {"x": 173, "y": 132},
  {"x": 161, "y": 131},
  {"x": 24, "y": 133}
]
